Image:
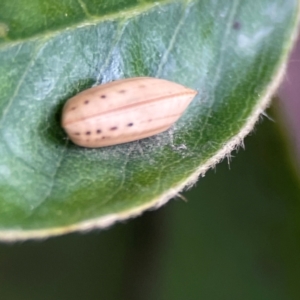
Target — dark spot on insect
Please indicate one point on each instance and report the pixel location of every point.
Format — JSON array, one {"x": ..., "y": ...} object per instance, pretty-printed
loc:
[
  {"x": 88, "y": 133},
  {"x": 103, "y": 96},
  {"x": 77, "y": 133},
  {"x": 98, "y": 131},
  {"x": 86, "y": 101},
  {"x": 104, "y": 137},
  {"x": 236, "y": 25},
  {"x": 73, "y": 108},
  {"x": 113, "y": 128},
  {"x": 130, "y": 124},
  {"x": 122, "y": 91}
]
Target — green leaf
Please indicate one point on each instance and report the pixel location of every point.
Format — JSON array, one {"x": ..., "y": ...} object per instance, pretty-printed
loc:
[{"x": 233, "y": 53}]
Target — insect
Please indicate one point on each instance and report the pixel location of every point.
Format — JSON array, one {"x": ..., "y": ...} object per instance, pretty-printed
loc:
[{"x": 124, "y": 110}]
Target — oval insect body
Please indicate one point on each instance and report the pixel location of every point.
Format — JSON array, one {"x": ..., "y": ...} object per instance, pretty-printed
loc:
[{"x": 124, "y": 111}]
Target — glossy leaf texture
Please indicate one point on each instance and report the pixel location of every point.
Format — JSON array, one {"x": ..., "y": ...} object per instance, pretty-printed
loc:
[{"x": 233, "y": 53}]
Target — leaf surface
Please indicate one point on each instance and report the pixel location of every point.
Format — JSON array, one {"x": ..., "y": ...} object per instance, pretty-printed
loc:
[{"x": 233, "y": 54}]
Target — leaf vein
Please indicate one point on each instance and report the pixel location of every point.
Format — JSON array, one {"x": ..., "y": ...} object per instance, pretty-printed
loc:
[
  {"x": 117, "y": 39},
  {"x": 171, "y": 43},
  {"x": 232, "y": 15},
  {"x": 52, "y": 178},
  {"x": 84, "y": 9},
  {"x": 21, "y": 81}
]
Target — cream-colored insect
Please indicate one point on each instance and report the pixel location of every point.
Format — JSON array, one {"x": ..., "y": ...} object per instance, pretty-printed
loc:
[{"x": 124, "y": 111}]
